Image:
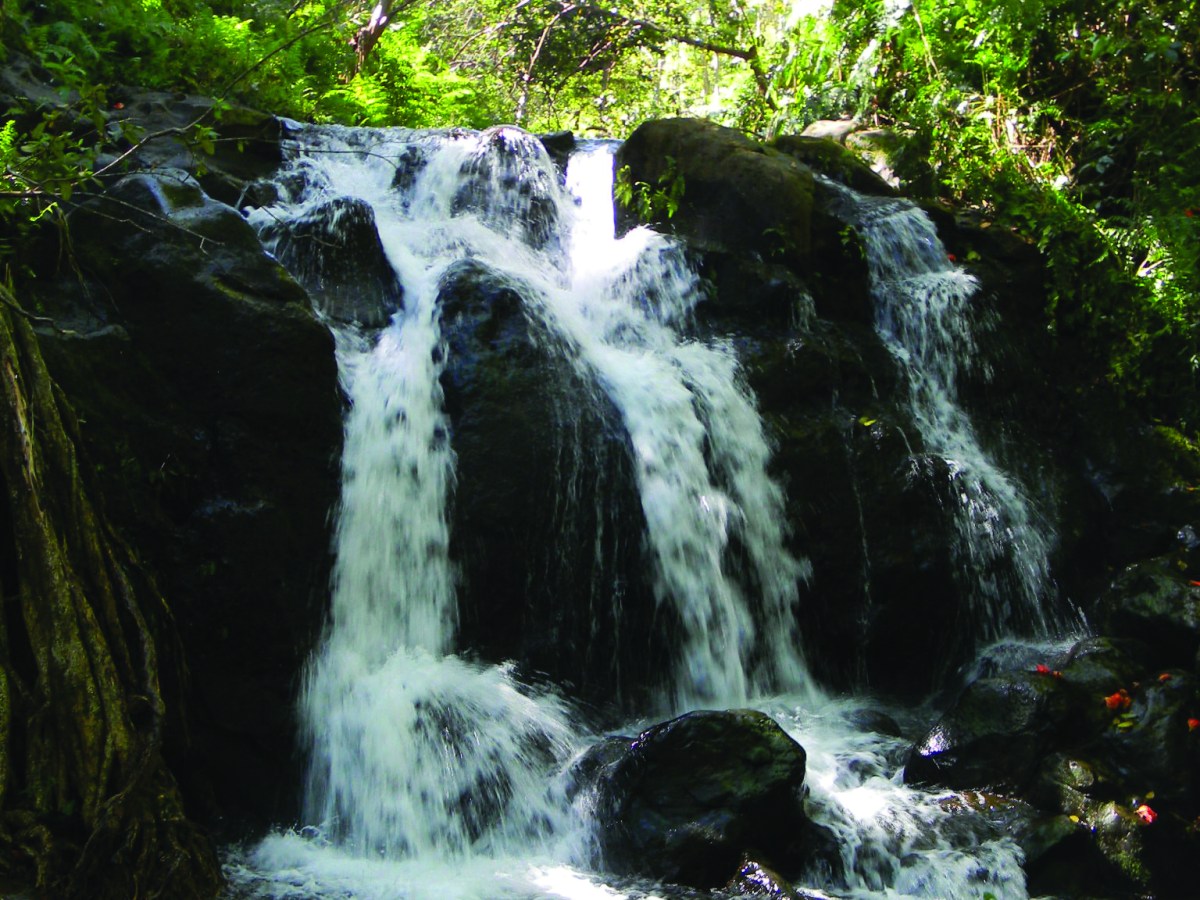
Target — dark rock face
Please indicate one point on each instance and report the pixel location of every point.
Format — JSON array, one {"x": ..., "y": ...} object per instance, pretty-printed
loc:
[
  {"x": 788, "y": 283},
  {"x": 686, "y": 799},
  {"x": 994, "y": 736},
  {"x": 559, "y": 145},
  {"x": 1155, "y": 602},
  {"x": 208, "y": 392},
  {"x": 1097, "y": 737},
  {"x": 547, "y": 523},
  {"x": 754, "y": 213},
  {"x": 249, "y": 147},
  {"x": 335, "y": 252}
]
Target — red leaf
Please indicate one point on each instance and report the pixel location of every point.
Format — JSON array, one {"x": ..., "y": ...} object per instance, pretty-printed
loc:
[
  {"x": 1164, "y": 677},
  {"x": 1194, "y": 583},
  {"x": 1042, "y": 669},
  {"x": 1193, "y": 724},
  {"x": 1146, "y": 814},
  {"x": 1119, "y": 700}
]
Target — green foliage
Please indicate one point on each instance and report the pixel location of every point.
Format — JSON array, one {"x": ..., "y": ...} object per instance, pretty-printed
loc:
[
  {"x": 403, "y": 85},
  {"x": 1075, "y": 124},
  {"x": 656, "y": 202}
]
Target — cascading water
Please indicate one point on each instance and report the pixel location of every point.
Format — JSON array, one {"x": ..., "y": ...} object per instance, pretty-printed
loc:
[
  {"x": 922, "y": 313},
  {"x": 681, "y": 400},
  {"x": 435, "y": 776}
]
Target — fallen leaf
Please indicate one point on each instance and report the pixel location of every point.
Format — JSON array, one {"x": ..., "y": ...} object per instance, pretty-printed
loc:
[
  {"x": 1119, "y": 700},
  {"x": 1164, "y": 677},
  {"x": 1146, "y": 814}
]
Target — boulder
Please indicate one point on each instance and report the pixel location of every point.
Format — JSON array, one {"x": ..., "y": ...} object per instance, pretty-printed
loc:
[
  {"x": 512, "y": 185},
  {"x": 736, "y": 195},
  {"x": 1153, "y": 601},
  {"x": 210, "y": 410},
  {"x": 686, "y": 800},
  {"x": 335, "y": 252},
  {"x": 560, "y": 145},
  {"x": 245, "y": 145},
  {"x": 547, "y": 524},
  {"x": 835, "y": 161},
  {"x": 756, "y": 879},
  {"x": 994, "y": 736},
  {"x": 1003, "y": 724}
]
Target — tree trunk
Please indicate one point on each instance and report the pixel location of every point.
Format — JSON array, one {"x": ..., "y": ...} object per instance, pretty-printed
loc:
[{"x": 87, "y": 804}]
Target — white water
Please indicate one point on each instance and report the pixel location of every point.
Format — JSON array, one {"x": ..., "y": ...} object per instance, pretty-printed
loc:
[
  {"x": 922, "y": 313},
  {"x": 432, "y": 776}
]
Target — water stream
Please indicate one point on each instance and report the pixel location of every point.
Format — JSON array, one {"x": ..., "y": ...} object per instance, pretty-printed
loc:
[
  {"x": 435, "y": 775},
  {"x": 923, "y": 315}
]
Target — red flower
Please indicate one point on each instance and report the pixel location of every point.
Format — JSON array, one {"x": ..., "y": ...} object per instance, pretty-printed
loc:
[
  {"x": 1193, "y": 724},
  {"x": 951, "y": 257},
  {"x": 1119, "y": 700},
  {"x": 1146, "y": 814},
  {"x": 1189, "y": 213}
]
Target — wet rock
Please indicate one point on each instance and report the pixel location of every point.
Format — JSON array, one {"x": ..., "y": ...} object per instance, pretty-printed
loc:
[
  {"x": 409, "y": 164},
  {"x": 994, "y": 736},
  {"x": 334, "y": 250},
  {"x": 1149, "y": 746},
  {"x": 1153, "y": 601},
  {"x": 546, "y": 505},
  {"x": 875, "y": 721},
  {"x": 750, "y": 293},
  {"x": 560, "y": 145},
  {"x": 211, "y": 413},
  {"x": 688, "y": 798},
  {"x": 756, "y": 879},
  {"x": 512, "y": 185},
  {"x": 248, "y": 144}
]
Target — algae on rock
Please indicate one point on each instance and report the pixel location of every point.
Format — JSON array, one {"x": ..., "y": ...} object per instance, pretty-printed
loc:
[{"x": 88, "y": 806}]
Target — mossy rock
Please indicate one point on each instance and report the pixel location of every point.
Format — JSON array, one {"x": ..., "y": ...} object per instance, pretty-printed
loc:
[{"x": 834, "y": 161}]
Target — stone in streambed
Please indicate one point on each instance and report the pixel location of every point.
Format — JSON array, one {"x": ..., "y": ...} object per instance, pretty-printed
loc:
[
  {"x": 687, "y": 799},
  {"x": 334, "y": 250}
]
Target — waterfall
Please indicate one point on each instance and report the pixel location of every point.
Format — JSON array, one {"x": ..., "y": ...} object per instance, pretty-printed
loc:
[
  {"x": 700, "y": 453},
  {"x": 923, "y": 315},
  {"x": 434, "y": 774}
]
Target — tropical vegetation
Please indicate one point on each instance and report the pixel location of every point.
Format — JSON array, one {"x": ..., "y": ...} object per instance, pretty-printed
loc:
[{"x": 1073, "y": 123}]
